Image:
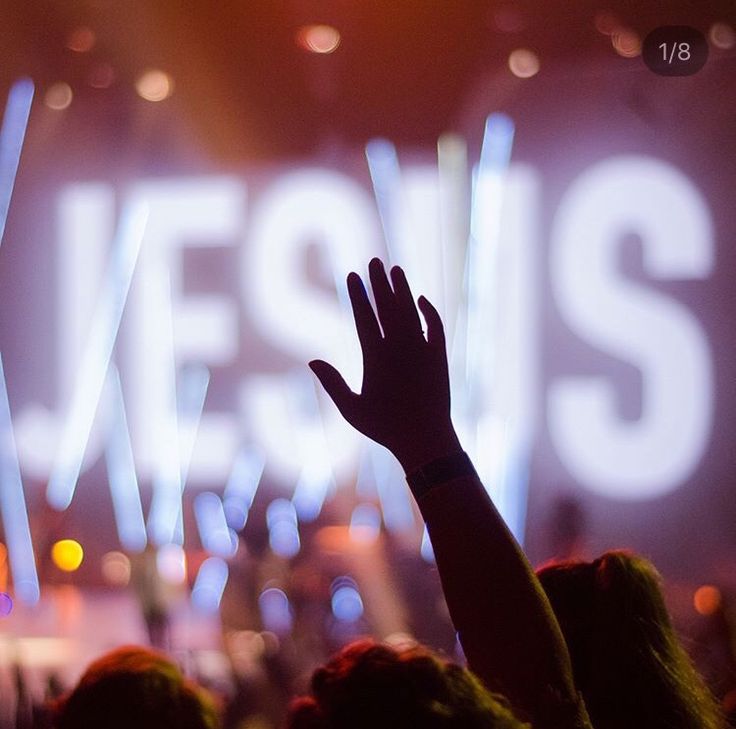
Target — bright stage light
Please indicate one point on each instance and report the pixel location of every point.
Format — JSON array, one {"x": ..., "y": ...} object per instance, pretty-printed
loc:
[
  {"x": 242, "y": 486},
  {"x": 318, "y": 38},
  {"x": 347, "y": 605},
  {"x": 154, "y": 85},
  {"x": 214, "y": 533},
  {"x": 126, "y": 499},
  {"x": 67, "y": 555},
  {"x": 275, "y": 610},
  {"x": 171, "y": 562},
  {"x": 524, "y": 63},
  {"x": 283, "y": 532},
  {"x": 365, "y": 524},
  {"x": 12, "y": 134},
  {"x": 13, "y": 507},
  {"x": 210, "y": 585},
  {"x": 626, "y": 42},
  {"x": 96, "y": 358}
]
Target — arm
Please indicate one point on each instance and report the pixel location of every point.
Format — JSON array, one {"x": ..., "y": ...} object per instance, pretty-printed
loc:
[{"x": 505, "y": 623}]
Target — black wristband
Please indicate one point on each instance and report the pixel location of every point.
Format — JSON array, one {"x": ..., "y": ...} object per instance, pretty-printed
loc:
[{"x": 441, "y": 470}]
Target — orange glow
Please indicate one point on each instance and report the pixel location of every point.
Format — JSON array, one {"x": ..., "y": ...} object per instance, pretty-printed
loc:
[
  {"x": 707, "y": 599},
  {"x": 67, "y": 555},
  {"x": 58, "y": 96},
  {"x": 154, "y": 85},
  {"x": 318, "y": 38},
  {"x": 626, "y": 43},
  {"x": 81, "y": 40},
  {"x": 722, "y": 36},
  {"x": 523, "y": 63}
]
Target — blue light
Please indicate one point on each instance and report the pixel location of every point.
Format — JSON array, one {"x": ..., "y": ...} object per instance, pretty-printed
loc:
[
  {"x": 209, "y": 585},
  {"x": 214, "y": 533},
  {"x": 126, "y": 499},
  {"x": 96, "y": 358},
  {"x": 13, "y": 507},
  {"x": 283, "y": 533},
  {"x": 12, "y": 135},
  {"x": 242, "y": 486},
  {"x": 275, "y": 611},
  {"x": 347, "y": 604}
]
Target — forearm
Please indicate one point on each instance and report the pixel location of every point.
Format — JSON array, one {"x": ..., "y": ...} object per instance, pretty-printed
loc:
[{"x": 505, "y": 623}]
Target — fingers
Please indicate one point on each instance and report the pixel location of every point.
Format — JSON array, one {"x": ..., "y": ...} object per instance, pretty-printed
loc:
[
  {"x": 366, "y": 324},
  {"x": 405, "y": 309},
  {"x": 384, "y": 296},
  {"x": 435, "y": 329},
  {"x": 396, "y": 309},
  {"x": 336, "y": 387}
]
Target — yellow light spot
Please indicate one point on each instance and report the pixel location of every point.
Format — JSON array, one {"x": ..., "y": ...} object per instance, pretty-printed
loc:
[
  {"x": 58, "y": 96},
  {"x": 318, "y": 38},
  {"x": 707, "y": 599},
  {"x": 524, "y": 63},
  {"x": 154, "y": 85},
  {"x": 67, "y": 555}
]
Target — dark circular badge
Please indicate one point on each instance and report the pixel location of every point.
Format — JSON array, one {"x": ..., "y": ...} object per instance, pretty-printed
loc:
[{"x": 675, "y": 50}]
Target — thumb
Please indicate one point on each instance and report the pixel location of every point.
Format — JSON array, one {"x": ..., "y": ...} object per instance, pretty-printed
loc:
[{"x": 336, "y": 387}]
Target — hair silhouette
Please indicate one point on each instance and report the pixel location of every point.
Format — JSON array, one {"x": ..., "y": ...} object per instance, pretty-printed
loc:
[
  {"x": 134, "y": 688},
  {"x": 368, "y": 684},
  {"x": 627, "y": 659}
]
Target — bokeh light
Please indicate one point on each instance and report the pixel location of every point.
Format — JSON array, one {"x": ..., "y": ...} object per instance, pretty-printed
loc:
[
  {"x": 171, "y": 562},
  {"x": 58, "y": 96},
  {"x": 707, "y": 599},
  {"x": 116, "y": 568},
  {"x": 275, "y": 611},
  {"x": 722, "y": 35},
  {"x": 523, "y": 63},
  {"x": 101, "y": 76},
  {"x": 67, "y": 555},
  {"x": 606, "y": 22},
  {"x": 626, "y": 42},
  {"x": 154, "y": 85},
  {"x": 81, "y": 40},
  {"x": 318, "y": 38},
  {"x": 6, "y": 604},
  {"x": 346, "y": 602}
]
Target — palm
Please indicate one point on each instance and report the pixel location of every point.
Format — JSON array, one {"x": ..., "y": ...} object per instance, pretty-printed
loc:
[{"x": 404, "y": 402}]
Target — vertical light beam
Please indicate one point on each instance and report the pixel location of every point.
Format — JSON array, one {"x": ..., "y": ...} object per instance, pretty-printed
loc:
[
  {"x": 242, "y": 486},
  {"x": 12, "y": 135},
  {"x": 96, "y": 357},
  {"x": 383, "y": 165},
  {"x": 13, "y": 507},
  {"x": 126, "y": 499}
]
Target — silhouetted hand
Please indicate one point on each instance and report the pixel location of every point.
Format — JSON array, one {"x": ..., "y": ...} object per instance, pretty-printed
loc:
[{"x": 404, "y": 401}]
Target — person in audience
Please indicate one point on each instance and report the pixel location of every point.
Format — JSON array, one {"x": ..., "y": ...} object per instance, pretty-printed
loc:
[
  {"x": 505, "y": 623},
  {"x": 626, "y": 657},
  {"x": 368, "y": 685},
  {"x": 134, "y": 688}
]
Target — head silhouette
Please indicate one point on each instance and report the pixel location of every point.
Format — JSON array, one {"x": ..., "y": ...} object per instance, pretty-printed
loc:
[
  {"x": 134, "y": 688},
  {"x": 368, "y": 684},
  {"x": 627, "y": 659}
]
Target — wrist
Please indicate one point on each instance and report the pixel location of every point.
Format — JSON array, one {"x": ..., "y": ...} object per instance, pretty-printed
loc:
[
  {"x": 440, "y": 471},
  {"x": 428, "y": 449}
]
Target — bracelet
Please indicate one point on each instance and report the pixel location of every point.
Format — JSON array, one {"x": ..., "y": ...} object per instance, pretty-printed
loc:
[{"x": 441, "y": 470}]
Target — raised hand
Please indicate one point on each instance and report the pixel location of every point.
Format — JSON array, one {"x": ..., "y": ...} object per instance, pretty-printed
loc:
[{"x": 404, "y": 401}]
